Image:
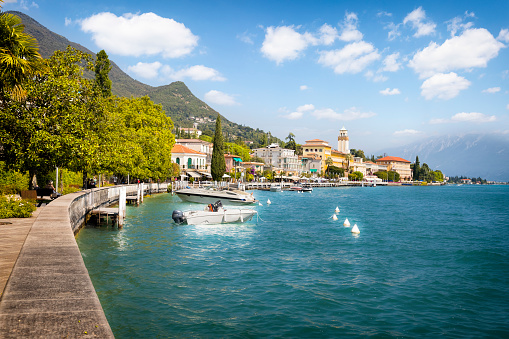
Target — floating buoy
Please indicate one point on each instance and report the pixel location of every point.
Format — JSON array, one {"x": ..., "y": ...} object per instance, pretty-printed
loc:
[
  {"x": 336, "y": 210},
  {"x": 334, "y": 217},
  {"x": 346, "y": 223},
  {"x": 268, "y": 202},
  {"x": 355, "y": 229},
  {"x": 259, "y": 203}
]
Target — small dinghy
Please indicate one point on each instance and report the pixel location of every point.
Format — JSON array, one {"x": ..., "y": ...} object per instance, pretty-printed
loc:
[{"x": 213, "y": 214}]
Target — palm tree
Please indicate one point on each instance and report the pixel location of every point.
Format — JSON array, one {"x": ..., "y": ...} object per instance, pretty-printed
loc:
[
  {"x": 329, "y": 162},
  {"x": 19, "y": 56}
]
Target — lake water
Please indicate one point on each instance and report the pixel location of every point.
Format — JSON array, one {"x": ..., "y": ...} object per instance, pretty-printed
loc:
[{"x": 428, "y": 262}]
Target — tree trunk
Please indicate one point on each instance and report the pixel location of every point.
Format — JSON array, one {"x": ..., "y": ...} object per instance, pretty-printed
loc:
[
  {"x": 32, "y": 184},
  {"x": 85, "y": 181}
]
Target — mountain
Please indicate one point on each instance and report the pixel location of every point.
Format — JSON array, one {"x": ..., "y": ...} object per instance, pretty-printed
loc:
[
  {"x": 177, "y": 100},
  {"x": 470, "y": 155}
]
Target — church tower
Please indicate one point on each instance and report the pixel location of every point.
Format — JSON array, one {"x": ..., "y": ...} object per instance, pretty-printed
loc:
[{"x": 343, "y": 144}]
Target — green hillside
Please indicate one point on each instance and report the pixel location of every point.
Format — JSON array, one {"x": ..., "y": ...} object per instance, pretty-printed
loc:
[{"x": 177, "y": 100}]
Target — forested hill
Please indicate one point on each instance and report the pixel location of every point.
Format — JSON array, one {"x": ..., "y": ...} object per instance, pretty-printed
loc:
[{"x": 177, "y": 100}]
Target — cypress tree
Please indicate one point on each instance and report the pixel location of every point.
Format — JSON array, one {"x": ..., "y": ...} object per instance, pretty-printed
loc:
[
  {"x": 102, "y": 68},
  {"x": 218, "y": 166},
  {"x": 417, "y": 169}
]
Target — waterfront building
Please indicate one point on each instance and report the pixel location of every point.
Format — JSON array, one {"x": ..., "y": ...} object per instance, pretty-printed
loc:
[
  {"x": 198, "y": 145},
  {"x": 311, "y": 163},
  {"x": 279, "y": 159},
  {"x": 233, "y": 162},
  {"x": 251, "y": 166},
  {"x": 193, "y": 163},
  {"x": 317, "y": 148},
  {"x": 358, "y": 165},
  {"x": 372, "y": 168},
  {"x": 399, "y": 165}
]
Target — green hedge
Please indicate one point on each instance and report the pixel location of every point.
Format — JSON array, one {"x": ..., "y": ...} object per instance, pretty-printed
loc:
[{"x": 14, "y": 207}]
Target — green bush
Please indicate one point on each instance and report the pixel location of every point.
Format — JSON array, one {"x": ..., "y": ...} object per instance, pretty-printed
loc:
[
  {"x": 12, "y": 182},
  {"x": 14, "y": 207}
]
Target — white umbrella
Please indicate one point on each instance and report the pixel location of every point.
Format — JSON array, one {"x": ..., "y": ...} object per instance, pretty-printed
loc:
[{"x": 226, "y": 176}]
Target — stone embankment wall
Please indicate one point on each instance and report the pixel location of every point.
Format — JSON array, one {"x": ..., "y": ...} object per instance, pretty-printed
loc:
[{"x": 49, "y": 293}]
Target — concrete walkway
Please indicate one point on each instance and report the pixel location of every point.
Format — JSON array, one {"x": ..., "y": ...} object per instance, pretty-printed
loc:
[
  {"x": 13, "y": 233},
  {"x": 47, "y": 292}
]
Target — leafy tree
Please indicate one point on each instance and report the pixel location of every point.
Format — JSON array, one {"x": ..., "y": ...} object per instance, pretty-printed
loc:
[
  {"x": 329, "y": 162},
  {"x": 53, "y": 126},
  {"x": 290, "y": 137},
  {"x": 19, "y": 57},
  {"x": 102, "y": 68},
  {"x": 257, "y": 159},
  {"x": 241, "y": 150},
  {"x": 358, "y": 153},
  {"x": 355, "y": 176},
  {"x": 218, "y": 165},
  {"x": 336, "y": 171}
]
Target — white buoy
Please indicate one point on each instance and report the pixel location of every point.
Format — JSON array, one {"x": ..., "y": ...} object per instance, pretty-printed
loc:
[
  {"x": 355, "y": 229},
  {"x": 336, "y": 210},
  {"x": 334, "y": 217},
  {"x": 346, "y": 223},
  {"x": 268, "y": 202},
  {"x": 259, "y": 203}
]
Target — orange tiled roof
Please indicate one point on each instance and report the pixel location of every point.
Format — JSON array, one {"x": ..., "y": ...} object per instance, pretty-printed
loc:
[
  {"x": 183, "y": 149},
  {"x": 396, "y": 159}
]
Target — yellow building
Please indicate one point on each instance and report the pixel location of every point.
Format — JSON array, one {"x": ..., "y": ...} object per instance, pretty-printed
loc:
[
  {"x": 317, "y": 148},
  {"x": 397, "y": 164}
]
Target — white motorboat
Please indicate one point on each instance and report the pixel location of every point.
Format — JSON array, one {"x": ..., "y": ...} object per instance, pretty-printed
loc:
[
  {"x": 209, "y": 195},
  {"x": 213, "y": 214},
  {"x": 275, "y": 188}
]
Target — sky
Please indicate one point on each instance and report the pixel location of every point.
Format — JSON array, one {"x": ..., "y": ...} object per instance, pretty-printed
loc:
[{"x": 390, "y": 72}]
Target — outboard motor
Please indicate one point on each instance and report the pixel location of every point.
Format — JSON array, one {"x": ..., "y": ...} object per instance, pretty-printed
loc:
[
  {"x": 217, "y": 204},
  {"x": 178, "y": 217}
]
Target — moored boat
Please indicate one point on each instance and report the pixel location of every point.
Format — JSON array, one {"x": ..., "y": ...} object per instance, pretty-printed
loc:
[
  {"x": 213, "y": 214},
  {"x": 210, "y": 194}
]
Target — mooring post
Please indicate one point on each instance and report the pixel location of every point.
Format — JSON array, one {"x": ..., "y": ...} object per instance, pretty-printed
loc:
[
  {"x": 121, "y": 206},
  {"x": 142, "y": 190}
]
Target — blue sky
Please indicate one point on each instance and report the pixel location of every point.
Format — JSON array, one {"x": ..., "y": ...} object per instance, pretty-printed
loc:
[{"x": 391, "y": 72}]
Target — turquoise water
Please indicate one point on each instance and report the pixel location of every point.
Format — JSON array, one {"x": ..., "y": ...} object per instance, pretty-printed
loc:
[{"x": 428, "y": 262}]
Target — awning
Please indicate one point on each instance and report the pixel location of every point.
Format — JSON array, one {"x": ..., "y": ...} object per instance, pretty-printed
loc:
[
  {"x": 194, "y": 174},
  {"x": 237, "y": 159},
  {"x": 313, "y": 170},
  {"x": 206, "y": 174},
  {"x": 226, "y": 176}
]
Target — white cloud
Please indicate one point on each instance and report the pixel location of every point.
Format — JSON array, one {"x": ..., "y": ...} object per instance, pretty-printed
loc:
[
  {"x": 391, "y": 63},
  {"x": 419, "y": 21},
  {"x": 474, "y": 48},
  {"x": 456, "y": 24},
  {"x": 328, "y": 34},
  {"x": 68, "y": 22},
  {"x": 140, "y": 34},
  {"x": 473, "y": 117},
  {"x": 156, "y": 69},
  {"x": 348, "y": 114},
  {"x": 285, "y": 43},
  {"x": 492, "y": 90},
  {"x": 389, "y": 91},
  {"x": 197, "y": 73},
  {"x": 352, "y": 58},
  {"x": 407, "y": 132},
  {"x": 220, "y": 98},
  {"x": 146, "y": 70},
  {"x": 246, "y": 37},
  {"x": 303, "y": 87},
  {"x": 350, "y": 31},
  {"x": 393, "y": 31},
  {"x": 444, "y": 86},
  {"x": 503, "y": 35},
  {"x": 299, "y": 113}
]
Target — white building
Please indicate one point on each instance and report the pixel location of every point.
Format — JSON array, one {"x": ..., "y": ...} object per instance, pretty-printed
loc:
[
  {"x": 279, "y": 158},
  {"x": 188, "y": 159},
  {"x": 343, "y": 141},
  {"x": 198, "y": 145}
]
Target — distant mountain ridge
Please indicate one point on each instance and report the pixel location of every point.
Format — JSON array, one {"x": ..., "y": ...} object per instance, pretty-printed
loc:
[
  {"x": 471, "y": 155},
  {"x": 177, "y": 100}
]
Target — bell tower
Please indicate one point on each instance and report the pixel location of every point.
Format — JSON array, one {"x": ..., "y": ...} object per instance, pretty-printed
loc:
[{"x": 343, "y": 144}]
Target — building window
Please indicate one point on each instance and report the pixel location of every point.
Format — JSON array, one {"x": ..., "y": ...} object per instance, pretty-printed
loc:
[{"x": 178, "y": 161}]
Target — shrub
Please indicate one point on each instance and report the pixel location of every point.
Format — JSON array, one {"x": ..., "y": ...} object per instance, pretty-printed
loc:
[{"x": 15, "y": 207}]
